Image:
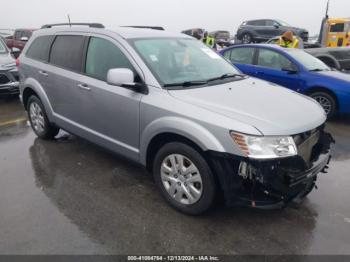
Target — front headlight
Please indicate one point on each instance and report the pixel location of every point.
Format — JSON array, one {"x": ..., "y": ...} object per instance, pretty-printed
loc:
[
  {"x": 9, "y": 65},
  {"x": 265, "y": 147}
]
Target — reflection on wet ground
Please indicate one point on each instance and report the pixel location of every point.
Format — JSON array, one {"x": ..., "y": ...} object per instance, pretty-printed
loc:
[{"x": 71, "y": 197}]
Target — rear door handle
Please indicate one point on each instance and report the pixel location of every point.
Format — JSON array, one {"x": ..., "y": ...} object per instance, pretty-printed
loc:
[
  {"x": 44, "y": 73},
  {"x": 260, "y": 73},
  {"x": 84, "y": 87}
]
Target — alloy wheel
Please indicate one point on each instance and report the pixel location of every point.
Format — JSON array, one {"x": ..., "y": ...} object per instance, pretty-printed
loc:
[
  {"x": 181, "y": 179},
  {"x": 325, "y": 103},
  {"x": 37, "y": 117}
]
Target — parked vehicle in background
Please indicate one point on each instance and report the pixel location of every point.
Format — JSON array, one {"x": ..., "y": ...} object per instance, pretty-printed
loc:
[
  {"x": 6, "y": 33},
  {"x": 172, "y": 104},
  {"x": 296, "y": 70},
  {"x": 335, "y": 57},
  {"x": 193, "y": 31},
  {"x": 221, "y": 37},
  {"x": 8, "y": 71},
  {"x": 264, "y": 29},
  {"x": 335, "y": 32},
  {"x": 302, "y": 44},
  {"x": 19, "y": 39}
]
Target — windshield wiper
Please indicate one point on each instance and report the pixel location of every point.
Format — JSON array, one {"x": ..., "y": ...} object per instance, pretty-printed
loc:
[
  {"x": 187, "y": 84},
  {"x": 225, "y": 76},
  {"x": 318, "y": 70}
]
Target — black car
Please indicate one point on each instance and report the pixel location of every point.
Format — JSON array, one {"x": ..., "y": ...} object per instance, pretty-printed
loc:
[
  {"x": 8, "y": 71},
  {"x": 264, "y": 29}
]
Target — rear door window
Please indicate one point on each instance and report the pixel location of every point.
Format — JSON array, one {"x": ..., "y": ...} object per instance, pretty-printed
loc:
[
  {"x": 39, "y": 49},
  {"x": 274, "y": 60},
  {"x": 241, "y": 55},
  {"x": 103, "y": 55},
  {"x": 257, "y": 23},
  {"x": 67, "y": 52}
]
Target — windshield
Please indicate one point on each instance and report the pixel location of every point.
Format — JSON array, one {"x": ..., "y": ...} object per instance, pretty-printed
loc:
[
  {"x": 310, "y": 62},
  {"x": 3, "y": 48},
  {"x": 177, "y": 60},
  {"x": 282, "y": 23}
]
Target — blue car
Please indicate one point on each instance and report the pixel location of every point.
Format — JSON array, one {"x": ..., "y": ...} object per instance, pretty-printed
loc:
[{"x": 294, "y": 69}]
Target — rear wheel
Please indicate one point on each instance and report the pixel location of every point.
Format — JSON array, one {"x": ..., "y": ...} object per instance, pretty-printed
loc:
[
  {"x": 184, "y": 178},
  {"x": 326, "y": 101},
  {"x": 247, "y": 38},
  {"x": 38, "y": 119}
]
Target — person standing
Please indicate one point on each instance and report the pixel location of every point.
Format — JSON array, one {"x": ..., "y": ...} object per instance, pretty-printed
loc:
[
  {"x": 288, "y": 40},
  {"x": 209, "y": 40}
]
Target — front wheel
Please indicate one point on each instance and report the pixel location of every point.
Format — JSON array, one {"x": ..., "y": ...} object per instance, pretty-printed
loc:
[
  {"x": 327, "y": 102},
  {"x": 38, "y": 119},
  {"x": 184, "y": 178}
]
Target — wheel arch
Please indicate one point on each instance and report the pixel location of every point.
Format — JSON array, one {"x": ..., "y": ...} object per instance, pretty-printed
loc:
[
  {"x": 314, "y": 89},
  {"x": 161, "y": 139},
  {"x": 170, "y": 129},
  {"x": 33, "y": 87}
]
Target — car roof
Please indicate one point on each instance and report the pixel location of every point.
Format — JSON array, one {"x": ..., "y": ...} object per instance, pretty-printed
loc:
[
  {"x": 124, "y": 32},
  {"x": 269, "y": 46}
]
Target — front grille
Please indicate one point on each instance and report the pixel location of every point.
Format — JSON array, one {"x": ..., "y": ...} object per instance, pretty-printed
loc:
[{"x": 4, "y": 79}]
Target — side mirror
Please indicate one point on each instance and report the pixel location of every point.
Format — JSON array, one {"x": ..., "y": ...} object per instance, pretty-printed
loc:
[
  {"x": 124, "y": 77},
  {"x": 15, "y": 52},
  {"x": 290, "y": 71},
  {"x": 24, "y": 38},
  {"x": 276, "y": 26}
]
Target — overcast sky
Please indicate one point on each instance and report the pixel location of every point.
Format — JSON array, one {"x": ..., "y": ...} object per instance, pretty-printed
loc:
[{"x": 174, "y": 15}]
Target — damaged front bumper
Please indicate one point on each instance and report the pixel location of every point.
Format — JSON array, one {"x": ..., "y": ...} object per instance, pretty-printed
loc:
[{"x": 270, "y": 184}]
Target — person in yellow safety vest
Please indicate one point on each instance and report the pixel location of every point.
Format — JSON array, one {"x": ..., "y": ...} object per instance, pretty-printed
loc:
[
  {"x": 209, "y": 41},
  {"x": 288, "y": 40}
]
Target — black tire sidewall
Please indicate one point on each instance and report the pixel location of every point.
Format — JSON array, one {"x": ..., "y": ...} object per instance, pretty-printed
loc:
[
  {"x": 250, "y": 37},
  {"x": 330, "y": 98},
  {"x": 49, "y": 131},
  {"x": 209, "y": 186}
]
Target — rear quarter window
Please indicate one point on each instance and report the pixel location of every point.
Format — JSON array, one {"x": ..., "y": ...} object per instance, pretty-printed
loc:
[
  {"x": 39, "y": 49},
  {"x": 67, "y": 52}
]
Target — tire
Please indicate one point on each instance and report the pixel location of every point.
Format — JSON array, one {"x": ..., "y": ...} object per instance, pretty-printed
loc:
[
  {"x": 326, "y": 101},
  {"x": 38, "y": 119},
  {"x": 190, "y": 190},
  {"x": 247, "y": 38}
]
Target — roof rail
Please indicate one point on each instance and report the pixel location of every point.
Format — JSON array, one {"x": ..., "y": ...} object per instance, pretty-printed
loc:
[{"x": 94, "y": 25}]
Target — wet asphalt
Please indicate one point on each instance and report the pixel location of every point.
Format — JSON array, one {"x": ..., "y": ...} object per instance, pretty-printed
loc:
[{"x": 69, "y": 196}]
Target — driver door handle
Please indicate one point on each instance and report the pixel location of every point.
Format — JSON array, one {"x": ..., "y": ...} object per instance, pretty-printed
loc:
[
  {"x": 44, "y": 73},
  {"x": 84, "y": 87}
]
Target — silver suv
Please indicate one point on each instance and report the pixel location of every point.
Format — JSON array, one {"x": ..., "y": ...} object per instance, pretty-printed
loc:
[{"x": 170, "y": 103}]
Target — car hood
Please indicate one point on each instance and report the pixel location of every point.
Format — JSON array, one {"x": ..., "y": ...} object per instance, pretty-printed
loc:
[
  {"x": 336, "y": 75},
  {"x": 271, "y": 109},
  {"x": 6, "y": 59}
]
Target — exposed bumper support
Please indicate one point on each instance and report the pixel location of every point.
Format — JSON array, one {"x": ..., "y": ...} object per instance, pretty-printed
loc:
[{"x": 270, "y": 184}]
